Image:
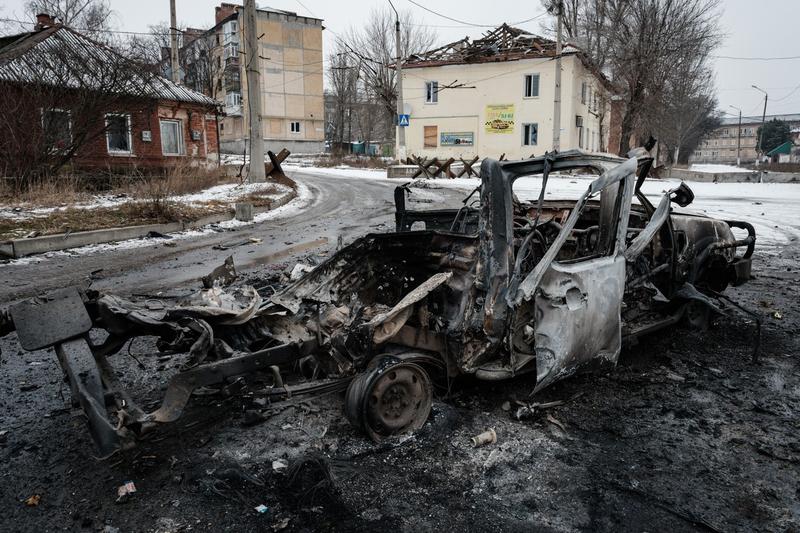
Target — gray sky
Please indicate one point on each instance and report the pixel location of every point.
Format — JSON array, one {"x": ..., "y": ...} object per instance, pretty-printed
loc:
[{"x": 753, "y": 28}]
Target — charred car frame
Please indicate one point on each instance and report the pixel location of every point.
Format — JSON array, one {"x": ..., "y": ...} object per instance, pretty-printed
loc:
[{"x": 495, "y": 289}]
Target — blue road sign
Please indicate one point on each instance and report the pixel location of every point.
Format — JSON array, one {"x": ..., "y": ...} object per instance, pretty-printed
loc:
[{"x": 402, "y": 120}]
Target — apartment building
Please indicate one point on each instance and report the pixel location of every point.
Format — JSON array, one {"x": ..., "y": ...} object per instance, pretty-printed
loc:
[
  {"x": 495, "y": 95},
  {"x": 720, "y": 146},
  {"x": 291, "y": 67}
]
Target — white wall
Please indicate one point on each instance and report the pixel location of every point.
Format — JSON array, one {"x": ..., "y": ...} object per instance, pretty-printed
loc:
[{"x": 498, "y": 83}]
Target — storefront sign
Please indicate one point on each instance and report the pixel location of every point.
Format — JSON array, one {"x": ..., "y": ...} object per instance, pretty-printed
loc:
[
  {"x": 458, "y": 138},
  {"x": 499, "y": 118}
]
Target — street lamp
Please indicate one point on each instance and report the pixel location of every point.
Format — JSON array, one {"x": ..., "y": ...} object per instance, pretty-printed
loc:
[
  {"x": 763, "y": 117},
  {"x": 738, "y": 136}
]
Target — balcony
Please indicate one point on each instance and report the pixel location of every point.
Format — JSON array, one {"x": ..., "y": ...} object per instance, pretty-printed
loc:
[
  {"x": 233, "y": 104},
  {"x": 230, "y": 55}
]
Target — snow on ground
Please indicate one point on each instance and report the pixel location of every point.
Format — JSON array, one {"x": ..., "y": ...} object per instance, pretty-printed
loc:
[
  {"x": 342, "y": 171},
  {"x": 302, "y": 201},
  {"x": 772, "y": 208},
  {"x": 229, "y": 192},
  {"x": 709, "y": 168}
]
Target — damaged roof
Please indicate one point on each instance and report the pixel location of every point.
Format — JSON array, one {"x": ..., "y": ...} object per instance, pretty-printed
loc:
[
  {"x": 19, "y": 58},
  {"x": 504, "y": 43}
]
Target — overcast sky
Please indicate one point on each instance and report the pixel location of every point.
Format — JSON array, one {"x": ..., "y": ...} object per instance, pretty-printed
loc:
[{"x": 753, "y": 28}]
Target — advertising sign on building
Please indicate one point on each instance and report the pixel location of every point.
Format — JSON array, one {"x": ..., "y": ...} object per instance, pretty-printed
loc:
[
  {"x": 457, "y": 138},
  {"x": 500, "y": 118}
]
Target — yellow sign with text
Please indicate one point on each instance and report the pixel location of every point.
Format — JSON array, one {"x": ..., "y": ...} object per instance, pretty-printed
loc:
[{"x": 499, "y": 118}]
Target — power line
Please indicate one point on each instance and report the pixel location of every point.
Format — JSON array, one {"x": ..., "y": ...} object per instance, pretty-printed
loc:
[
  {"x": 787, "y": 96},
  {"x": 165, "y": 34},
  {"x": 755, "y": 58},
  {"x": 472, "y": 23},
  {"x": 304, "y": 7}
]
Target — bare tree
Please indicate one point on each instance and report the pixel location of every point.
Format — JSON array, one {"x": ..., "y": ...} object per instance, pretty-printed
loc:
[
  {"x": 646, "y": 46},
  {"x": 91, "y": 17},
  {"x": 196, "y": 57},
  {"x": 343, "y": 73},
  {"x": 373, "y": 46},
  {"x": 685, "y": 109}
]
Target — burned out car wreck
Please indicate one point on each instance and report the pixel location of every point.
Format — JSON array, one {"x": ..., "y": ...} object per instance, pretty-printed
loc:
[{"x": 496, "y": 289}]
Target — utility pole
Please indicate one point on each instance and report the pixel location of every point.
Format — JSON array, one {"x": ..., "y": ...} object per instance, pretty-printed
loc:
[
  {"x": 559, "y": 6},
  {"x": 761, "y": 130},
  {"x": 256, "y": 172},
  {"x": 738, "y": 137},
  {"x": 401, "y": 131},
  {"x": 173, "y": 47}
]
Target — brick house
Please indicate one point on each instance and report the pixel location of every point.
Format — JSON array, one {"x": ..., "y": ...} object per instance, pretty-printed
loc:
[{"x": 68, "y": 101}]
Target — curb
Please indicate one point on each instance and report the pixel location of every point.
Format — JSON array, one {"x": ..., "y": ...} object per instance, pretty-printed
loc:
[{"x": 17, "y": 248}]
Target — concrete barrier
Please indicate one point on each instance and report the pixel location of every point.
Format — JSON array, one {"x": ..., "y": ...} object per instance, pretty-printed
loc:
[
  {"x": 401, "y": 171},
  {"x": 51, "y": 243}
]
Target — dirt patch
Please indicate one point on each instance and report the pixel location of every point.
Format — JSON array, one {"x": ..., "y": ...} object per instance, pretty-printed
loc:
[
  {"x": 150, "y": 204},
  {"x": 129, "y": 214}
]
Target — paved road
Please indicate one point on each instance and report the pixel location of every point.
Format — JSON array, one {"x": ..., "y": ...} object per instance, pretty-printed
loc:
[{"x": 341, "y": 206}]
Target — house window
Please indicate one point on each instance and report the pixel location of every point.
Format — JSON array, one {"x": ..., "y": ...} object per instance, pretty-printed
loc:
[
  {"x": 431, "y": 136},
  {"x": 531, "y": 85},
  {"x": 118, "y": 134},
  {"x": 530, "y": 134},
  {"x": 584, "y": 88},
  {"x": 431, "y": 92},
  {"x": 57, "y": 129},
  {"x": 231, "y": 51},
  {"x": 294, "y": 127},
  {"x": 171, "y": 137}
]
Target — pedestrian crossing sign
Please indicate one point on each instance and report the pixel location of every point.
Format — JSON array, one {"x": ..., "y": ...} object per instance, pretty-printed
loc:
[{"x": 402, "y": 120}]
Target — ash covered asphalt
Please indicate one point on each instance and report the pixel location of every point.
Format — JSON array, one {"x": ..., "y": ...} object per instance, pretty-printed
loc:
[{"x": 685, "y": 434}]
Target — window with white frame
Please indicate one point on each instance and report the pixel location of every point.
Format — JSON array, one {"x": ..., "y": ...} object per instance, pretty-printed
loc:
[
  {"x": 56, "y": 128},
  {"x": 431, "y": 92},
  {"x": 530, "y": 134},
  {"x": 171, "y": 137},
  {"x": 584, "y": 89},
  {"x": 531, "y": 86},
  {"x": 294, "y": 127},
  {"x": 118, "y": 134},
  {"x": 231, "y": 51}
]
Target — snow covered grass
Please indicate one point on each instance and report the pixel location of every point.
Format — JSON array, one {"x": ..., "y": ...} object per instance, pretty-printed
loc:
[
  {"x": 714, "y": 169},
  {"x": 303, "y": 199},
  {"x": 152, "y": 202}
]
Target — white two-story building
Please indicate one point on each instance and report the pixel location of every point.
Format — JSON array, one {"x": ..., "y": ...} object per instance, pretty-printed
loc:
[{"x": 495, "y": 95}]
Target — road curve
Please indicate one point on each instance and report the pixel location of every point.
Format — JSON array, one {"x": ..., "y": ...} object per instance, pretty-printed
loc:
[{"x": 341, "y": 206}]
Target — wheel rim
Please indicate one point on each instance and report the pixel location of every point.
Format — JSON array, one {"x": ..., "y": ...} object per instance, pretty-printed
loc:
[{"x": 393, "y": 398}]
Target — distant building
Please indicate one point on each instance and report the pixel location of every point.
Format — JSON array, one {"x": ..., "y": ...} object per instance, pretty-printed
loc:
[
  {"x": 290, "y": 63},
  {"x": 719, "y": 146},
  {"x": 66, "y": 96},
  {"x": 495, "y": 95}
]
